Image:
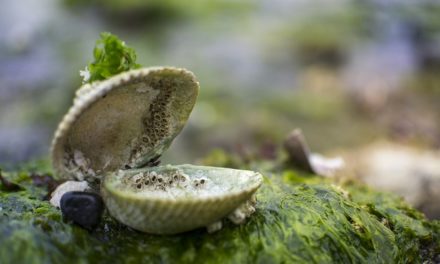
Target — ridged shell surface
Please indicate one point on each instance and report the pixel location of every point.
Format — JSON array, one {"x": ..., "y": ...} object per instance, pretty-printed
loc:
[
  {"x": 123, "y": 122},
  {"x": 173, "y": 199}
]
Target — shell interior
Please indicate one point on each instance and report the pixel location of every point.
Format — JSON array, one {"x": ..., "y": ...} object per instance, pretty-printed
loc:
[
  {"x": 123, "y": 122},
  {"x": 173, "y": 199}
]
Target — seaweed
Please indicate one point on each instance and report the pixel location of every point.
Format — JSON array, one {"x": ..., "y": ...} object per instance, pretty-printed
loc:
[
  {"x": 111, "y": 56},
  {"x": 298, "y": 219}
]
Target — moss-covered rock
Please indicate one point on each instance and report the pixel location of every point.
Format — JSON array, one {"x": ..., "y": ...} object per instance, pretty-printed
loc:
[{"x": 298, "y": 219}]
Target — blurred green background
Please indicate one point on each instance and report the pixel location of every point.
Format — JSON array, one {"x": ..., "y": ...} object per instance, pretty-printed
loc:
[{"x": 346, "y": 72}]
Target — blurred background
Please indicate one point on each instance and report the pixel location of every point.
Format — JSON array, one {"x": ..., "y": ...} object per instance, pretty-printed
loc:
[{"x": 360, "y": 78}]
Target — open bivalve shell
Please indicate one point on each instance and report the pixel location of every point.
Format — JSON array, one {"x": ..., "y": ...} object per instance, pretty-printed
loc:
[
  {"x": 123, "y": 122},
  {"x": 114, "y": 134},
  {"x": 173, "y": 199}
]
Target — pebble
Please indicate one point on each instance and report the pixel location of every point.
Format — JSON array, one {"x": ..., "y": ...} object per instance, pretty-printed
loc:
[
  {"x": 68, "y": 186},
  {"x": 82, "y": 208}
]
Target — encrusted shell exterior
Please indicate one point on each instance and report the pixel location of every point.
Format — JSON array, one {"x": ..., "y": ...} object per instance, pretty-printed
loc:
[
  {"x": 174, "y": 199},
  {"x": 125, "y": 121}
]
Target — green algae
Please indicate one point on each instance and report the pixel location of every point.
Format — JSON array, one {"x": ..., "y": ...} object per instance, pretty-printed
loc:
[
  {"x": 298, "y": 219},
  {"x": 111, "y": 56}
]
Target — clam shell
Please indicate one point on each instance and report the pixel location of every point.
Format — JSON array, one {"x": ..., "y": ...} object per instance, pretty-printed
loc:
[
  {"x": 191, "y": 196},
  {"x": 123, "y": 122}
]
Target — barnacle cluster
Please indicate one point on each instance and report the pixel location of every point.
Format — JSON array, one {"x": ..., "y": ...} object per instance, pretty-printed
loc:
[
  {"x": 197, "y": 183},
  {"x": 78, "y": 165},
  {"x": 152, "y": 180},
  {"x": 156, "y": 121}
]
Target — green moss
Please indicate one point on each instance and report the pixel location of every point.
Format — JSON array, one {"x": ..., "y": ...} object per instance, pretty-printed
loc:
[
  {"x": 111, "y": 56},
  {"x": 298, "y": 219}
]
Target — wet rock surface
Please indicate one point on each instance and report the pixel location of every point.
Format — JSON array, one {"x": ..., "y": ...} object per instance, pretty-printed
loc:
[
  {"x": 82, "y": 208},
  {"x": 297, "y": 219},
  {"x": 407, "y": 171}
]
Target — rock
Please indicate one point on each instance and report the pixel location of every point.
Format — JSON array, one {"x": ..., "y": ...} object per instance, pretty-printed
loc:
[
  {"x": 409, "y": 172},
  {"x": 300, "y": 156},
  {"x": 298, "y": 219},
  {"x": 83, "y": 208},
  {"x": 8, "y": 185},
  {"x": 68, "y": 186}
]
